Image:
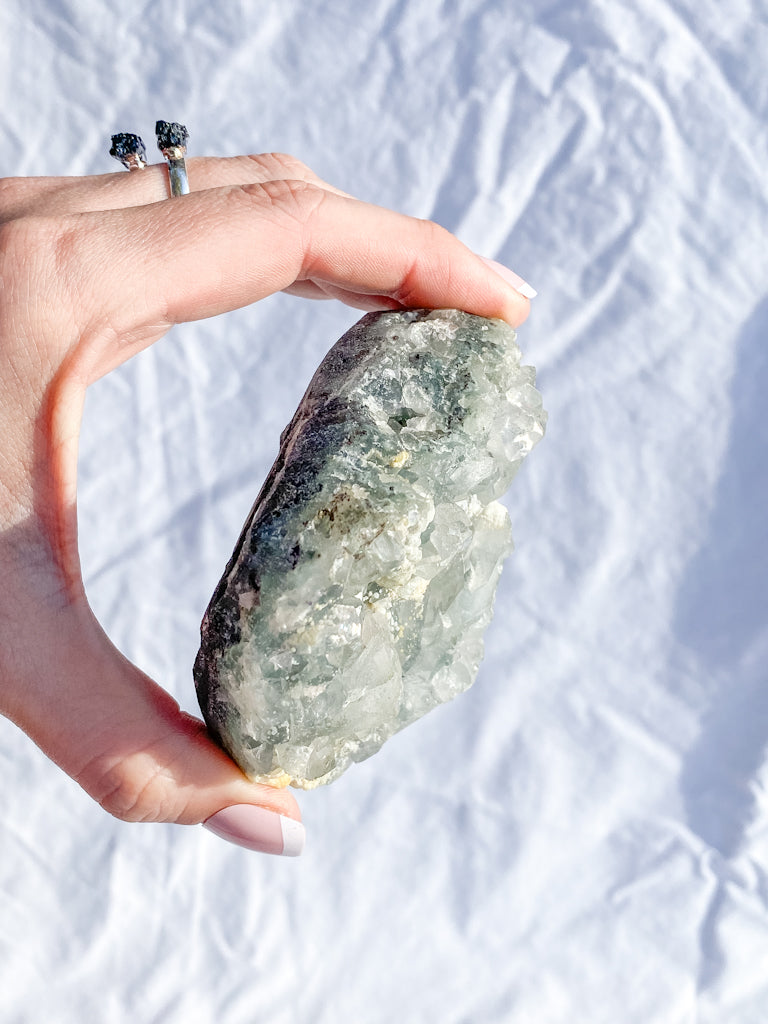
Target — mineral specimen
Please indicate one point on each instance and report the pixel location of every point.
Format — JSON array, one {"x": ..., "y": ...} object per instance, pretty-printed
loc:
[{"x": 358, "y": 593}]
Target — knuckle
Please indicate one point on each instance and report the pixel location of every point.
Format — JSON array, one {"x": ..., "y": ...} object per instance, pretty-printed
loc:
[
  {"x": 434, "y": 233},
  {"x": 47, "y": 298},
  {"x": 23, "y": 238},
  {"x": 36, "y": 242},
  {"x": 44, "y": 257},
  {"x": 280, "y": 165},
  {"x": 15, "y": 196},
  {"x": 293, "y": 197},
  {"x": 27, "y": 257},
  {"x": 125, "y": 793},
  {"x": 29, "y": 280}
]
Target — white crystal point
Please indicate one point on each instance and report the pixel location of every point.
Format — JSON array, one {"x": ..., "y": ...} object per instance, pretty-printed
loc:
[{"x": 357, "y": 596}]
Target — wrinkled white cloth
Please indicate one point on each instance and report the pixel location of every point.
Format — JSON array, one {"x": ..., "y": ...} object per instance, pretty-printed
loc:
[{"x": 583, "y": 836}]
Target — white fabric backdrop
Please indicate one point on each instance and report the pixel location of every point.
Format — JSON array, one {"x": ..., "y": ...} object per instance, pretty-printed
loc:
[{"x": 583, "y": 836}]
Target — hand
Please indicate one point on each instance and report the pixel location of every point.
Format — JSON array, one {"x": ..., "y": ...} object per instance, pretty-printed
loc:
[{"x": 93, "y": 270}]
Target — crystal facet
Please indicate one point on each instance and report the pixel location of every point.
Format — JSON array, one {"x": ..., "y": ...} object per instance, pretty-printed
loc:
[{"x": 358, "y": 593}]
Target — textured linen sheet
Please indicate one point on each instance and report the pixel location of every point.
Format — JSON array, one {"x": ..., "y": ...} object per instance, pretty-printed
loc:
[{"x": 583, "y": 836}]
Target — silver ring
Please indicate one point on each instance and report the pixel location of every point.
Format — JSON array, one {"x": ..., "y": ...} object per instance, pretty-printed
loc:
[
  {"x": 129, "y": 150},
  {"x": 172, "y": 143}
]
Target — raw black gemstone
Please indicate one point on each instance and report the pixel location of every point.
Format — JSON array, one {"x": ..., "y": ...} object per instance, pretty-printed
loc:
[
  {"x": 170, "y": 134},
  {"x": 124, "y": 145}
]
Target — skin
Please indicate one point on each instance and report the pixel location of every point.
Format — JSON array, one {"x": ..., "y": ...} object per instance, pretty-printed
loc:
[{"x": 92, "y": 270}]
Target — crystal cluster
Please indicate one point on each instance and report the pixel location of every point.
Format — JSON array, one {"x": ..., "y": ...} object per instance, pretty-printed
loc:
[{"x": 358, "y": 593}]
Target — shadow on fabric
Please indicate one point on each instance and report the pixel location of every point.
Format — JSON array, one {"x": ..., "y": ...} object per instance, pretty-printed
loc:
[{"x": 722, "y": 613}]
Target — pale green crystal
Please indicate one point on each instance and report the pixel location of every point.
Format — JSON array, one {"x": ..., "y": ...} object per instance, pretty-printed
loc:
[{"x": 358, "y": 593}]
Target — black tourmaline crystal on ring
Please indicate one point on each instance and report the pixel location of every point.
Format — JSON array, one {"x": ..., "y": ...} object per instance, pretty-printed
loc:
[
  {"x": 171, "y": 135},
  {"x": 128, "y": 149}
]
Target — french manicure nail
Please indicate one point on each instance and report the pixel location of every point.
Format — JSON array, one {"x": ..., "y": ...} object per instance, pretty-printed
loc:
[
  {"x": 511, "y": 278},
  {"x": 258, "y": 829}
]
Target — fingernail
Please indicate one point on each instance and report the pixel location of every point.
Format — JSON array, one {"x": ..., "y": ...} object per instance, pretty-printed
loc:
[
  {"x": 258, "y": 829},
  {"x": 511, "y": 278}
]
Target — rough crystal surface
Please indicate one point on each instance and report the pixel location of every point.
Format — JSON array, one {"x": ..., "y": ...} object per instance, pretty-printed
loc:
[
  {"x": 171, "y": 135},
  {"x": 358, "y": 593}
]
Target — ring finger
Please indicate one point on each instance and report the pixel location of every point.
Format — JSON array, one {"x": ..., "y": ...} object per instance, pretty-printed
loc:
[{"x": 116, "y": 191}]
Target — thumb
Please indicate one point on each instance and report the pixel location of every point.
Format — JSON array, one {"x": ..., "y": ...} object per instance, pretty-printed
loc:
[
  {"x": 102, "y": 720},
  {"x": 130, "y": 747}
]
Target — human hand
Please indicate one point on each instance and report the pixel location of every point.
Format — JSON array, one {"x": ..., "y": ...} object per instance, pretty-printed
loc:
[{"x": 94, "y": 270}]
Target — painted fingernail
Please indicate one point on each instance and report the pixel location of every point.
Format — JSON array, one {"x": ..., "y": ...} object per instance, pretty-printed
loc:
[
  {"x": 258, "y": 829},
  {"x": 511, "y": 278}
]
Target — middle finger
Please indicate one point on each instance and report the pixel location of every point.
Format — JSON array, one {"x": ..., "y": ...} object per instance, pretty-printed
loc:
[{"x": 116, "y": 191}]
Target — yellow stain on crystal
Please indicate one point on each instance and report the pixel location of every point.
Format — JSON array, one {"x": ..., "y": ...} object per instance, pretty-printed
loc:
[{"x": 400, "y": 460}]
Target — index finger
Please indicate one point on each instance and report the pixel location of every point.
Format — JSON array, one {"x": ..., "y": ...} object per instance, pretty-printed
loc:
[{"x": 214, "y": 251}]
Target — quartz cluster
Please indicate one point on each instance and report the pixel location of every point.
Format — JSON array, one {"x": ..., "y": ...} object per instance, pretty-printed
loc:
[{"x": 359, "y": 590}]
